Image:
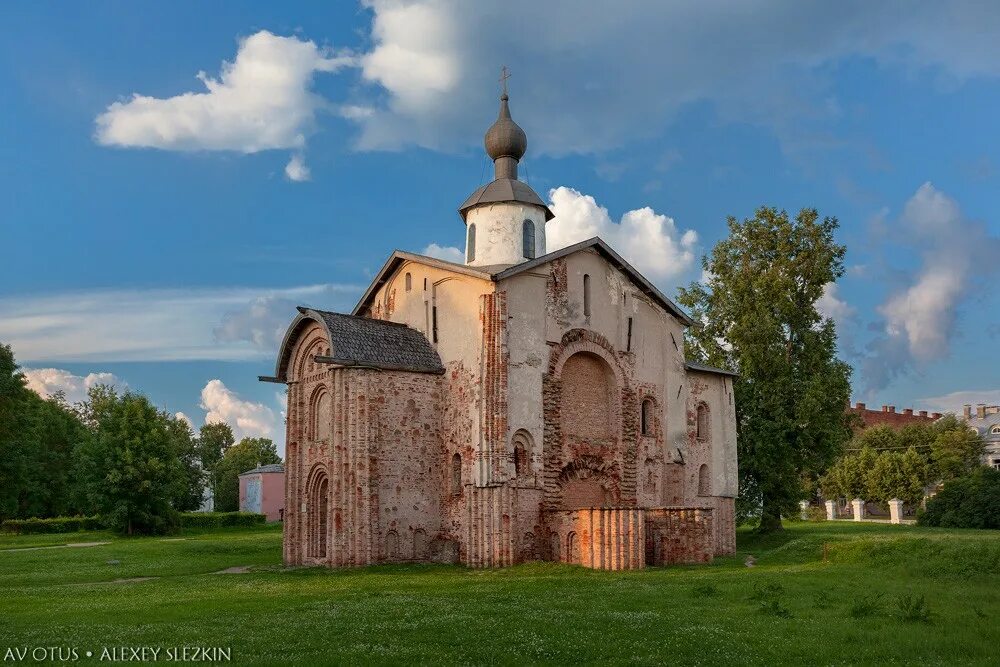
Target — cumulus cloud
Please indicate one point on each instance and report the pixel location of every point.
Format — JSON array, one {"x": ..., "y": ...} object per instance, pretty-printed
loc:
[
  {"x": 184, "y": 418},
  {"x": 247, "y": 418},
  {"x": 447, "y": 253},
  {"x": 262, "y": 100},
  {"x": 296, "y": 169},
  {"x": 650, "y": 241},
  {"x": 832, "y": 306},
  {"x": 47, "y": 382},
  {"x": 956, "y": 400},
  {"x": 919, "y": 319},
  {"x": 432, "y": 60},
  {"x": 228, "y": 324}
]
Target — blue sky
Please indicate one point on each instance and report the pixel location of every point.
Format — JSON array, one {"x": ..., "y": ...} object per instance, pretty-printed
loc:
[{"x": 165, "y": 238}]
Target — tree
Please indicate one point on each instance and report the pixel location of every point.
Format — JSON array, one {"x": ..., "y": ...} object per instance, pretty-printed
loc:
[
  {"x": 191, "y": 489},
  {"x": 915, "y": 473},
  {"x": 129, "y": 465},
  {"x": 213, "y": 441},
  {"x": 956, "y": 451},
  {"x": 245, "y": 455},
  {"x": 37, "y": 441},
  {"x": 758, "y": 316},
  {"x": 888, "y": 480}
]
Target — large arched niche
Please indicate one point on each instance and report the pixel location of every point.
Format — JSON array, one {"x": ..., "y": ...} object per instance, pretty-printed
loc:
[
  {"x": 589, "y": 402},
  {"x": 588, "y": 482}
]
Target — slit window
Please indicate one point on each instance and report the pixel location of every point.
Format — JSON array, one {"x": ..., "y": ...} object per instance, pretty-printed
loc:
[
  {"x": 456, "y": 473},
  {"x": 528, "y": 239},
  {"x": 647, "y": 417},
  {"x": 470, "y": 245},
  {"x": 409, "y": 281},
  {"x": 586, "y": 295},
  {"x": 628, "y": 339}
]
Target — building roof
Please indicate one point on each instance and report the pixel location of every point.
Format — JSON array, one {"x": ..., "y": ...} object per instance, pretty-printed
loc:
[
  {"x": 705, "y": 368},
  {"x": 270, "y": 467},
  {"x": 888, "y": 416},
  {"x": 498, "y": 273},
  {"x": 364, "y": 342},
  {"x": 596, "y": 243},
  {"x": 504, "y": 190},
  {"x": 985, "y": 425}
]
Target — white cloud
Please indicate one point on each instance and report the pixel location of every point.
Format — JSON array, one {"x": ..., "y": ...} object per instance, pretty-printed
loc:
[
  {"x": 955, "y": 401},
  {"x": 46, "y": 382},
  {"x": 262, "y": 100},
  {"x": 648, "y": 240},
  {"x": 919, "y": 319},
  {"x": 247, "y": 418},
  {"x": 447, "y": 253},
  {"x": 231, "y": 324},
  {"x": 296, "y": 169},
  {"x": 832, "y": 306},
  {"x": 596, "y": 79}
]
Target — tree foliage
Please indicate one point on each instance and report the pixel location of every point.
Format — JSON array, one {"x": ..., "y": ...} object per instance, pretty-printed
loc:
[
  {"x": 758, "y": 316},
  {"x": 883, "y": 463},
  {"x": 130, "y": 467},
  {"x": 971, "y": 501},
  {"x": 247, "y": 454},
  {"x": 213, "y": 441}
]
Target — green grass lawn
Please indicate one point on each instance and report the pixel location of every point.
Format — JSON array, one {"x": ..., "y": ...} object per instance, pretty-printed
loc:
[{"x": 821, "y": 593}]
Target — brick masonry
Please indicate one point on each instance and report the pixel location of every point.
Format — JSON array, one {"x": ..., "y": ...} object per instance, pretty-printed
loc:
[{"x": 391, "y": 466}]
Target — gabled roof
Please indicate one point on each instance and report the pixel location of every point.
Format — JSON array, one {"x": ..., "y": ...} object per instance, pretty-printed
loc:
[
  {"x": 398, "y": 257},
  {"x": 705, "y": 368},
  {"x": 362, "y": 341},
  {"x": 498, "y": 273},
  {"x": 615, "y": 259},
  {"x": 501, "y": 190}
]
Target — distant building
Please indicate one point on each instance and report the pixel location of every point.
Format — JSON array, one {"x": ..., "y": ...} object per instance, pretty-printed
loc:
[
  {"x": 888, "y": 416},
  {"x": 262, "y": 490},
  {"x": 986, "y": 422}
]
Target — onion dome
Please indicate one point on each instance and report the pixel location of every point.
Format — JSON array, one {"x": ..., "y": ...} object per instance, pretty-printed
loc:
[{"x": 505, "y": 138}]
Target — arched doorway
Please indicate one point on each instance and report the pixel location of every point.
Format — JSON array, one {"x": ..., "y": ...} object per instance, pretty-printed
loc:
[{"x": 318, "y": 516}]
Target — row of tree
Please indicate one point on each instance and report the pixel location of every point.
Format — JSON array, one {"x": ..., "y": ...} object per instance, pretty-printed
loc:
[
  {"x": 115, "y": 455},
  {"x": 882, "y": 463}
]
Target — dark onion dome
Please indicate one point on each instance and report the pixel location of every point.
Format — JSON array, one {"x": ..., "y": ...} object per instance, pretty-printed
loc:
[{"x": 505, "y": 138}]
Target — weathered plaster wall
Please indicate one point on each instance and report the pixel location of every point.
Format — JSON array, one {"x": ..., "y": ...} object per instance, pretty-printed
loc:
[{"x": 498, "y": 232}]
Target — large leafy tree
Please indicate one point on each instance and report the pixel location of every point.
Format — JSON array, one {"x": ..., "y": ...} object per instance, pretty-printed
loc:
[
  {"x": 758, "y": 316},
  {"x": 129, "y": 466},
  {"x": 38, "y": 438},
  {"x": 191, "y": 488},
  {"x": 247, "y": 454}
]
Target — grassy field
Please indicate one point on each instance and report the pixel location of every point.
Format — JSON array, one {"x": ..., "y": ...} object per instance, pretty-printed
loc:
[{"x": 821, "y": 593}]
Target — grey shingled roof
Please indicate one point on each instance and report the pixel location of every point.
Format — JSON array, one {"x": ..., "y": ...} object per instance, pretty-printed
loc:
[
  {"x": 363, "y": 341},
  {"x": 705, "y": 368},
  {"x": 504, "y": 189},
  {"x": 270, "y": 467}
]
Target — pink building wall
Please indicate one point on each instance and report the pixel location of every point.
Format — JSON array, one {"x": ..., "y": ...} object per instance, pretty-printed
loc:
[{"x": 263, "y": 493}]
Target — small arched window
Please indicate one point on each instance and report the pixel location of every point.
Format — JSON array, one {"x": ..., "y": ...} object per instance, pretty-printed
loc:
[
  {"x": 702, "y": 423},
  {"x": 470, "y": 245},
  {"x": 520, "y": 460},
  {"x": 528, "y": 239},
  {"x": 995, "y": 430},
  {"x": 409, "y": 281},
  {"x": 646, "y": 417},
  {"x": 704, "y": 482},
  {"x": 586, "y": 295},
  {"x": 456, "y": 473}
]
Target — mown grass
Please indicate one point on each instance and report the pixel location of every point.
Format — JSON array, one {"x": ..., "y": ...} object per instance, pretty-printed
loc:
[{"x": 820, "y": 593}]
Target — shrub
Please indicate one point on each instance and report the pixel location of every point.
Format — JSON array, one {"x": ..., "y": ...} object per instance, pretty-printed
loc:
[
  {"x": 816, "y": 513},
  {"x": 972, "y": 501},
  {"x": 913, "y": 608},
  {"x": 865, "y": 606},
  {"x": 220, "y": 519},
  {"x": 59, "y": 524}
]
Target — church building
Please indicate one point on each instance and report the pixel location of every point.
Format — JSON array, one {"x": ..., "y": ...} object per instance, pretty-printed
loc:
[{"x": 524, "y": 405}]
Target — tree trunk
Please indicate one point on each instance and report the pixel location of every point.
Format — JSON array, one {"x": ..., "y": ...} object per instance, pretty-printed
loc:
[{"x": 770, "y": 518}]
